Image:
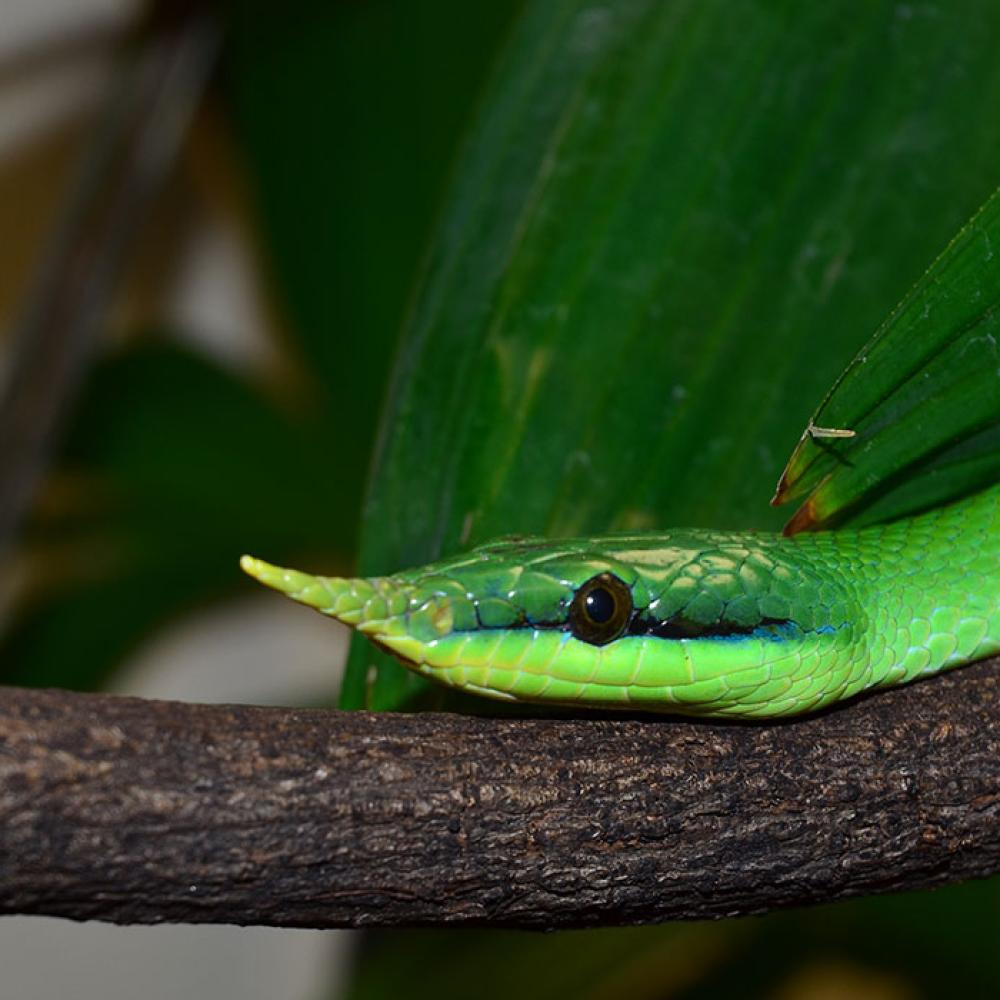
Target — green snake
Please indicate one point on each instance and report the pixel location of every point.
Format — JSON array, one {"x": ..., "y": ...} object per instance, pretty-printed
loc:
[{"x": 707, "y": 623}]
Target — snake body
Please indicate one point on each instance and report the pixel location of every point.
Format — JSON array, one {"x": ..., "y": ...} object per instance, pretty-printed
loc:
[{"x": 697, "y": 622}]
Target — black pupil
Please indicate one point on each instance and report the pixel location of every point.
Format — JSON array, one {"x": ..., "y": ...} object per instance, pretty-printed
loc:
[{"x": 600, "y": 605}]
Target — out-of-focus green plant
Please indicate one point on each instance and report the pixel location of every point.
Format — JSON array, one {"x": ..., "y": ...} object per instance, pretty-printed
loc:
[{"x": 174, "y": 465}]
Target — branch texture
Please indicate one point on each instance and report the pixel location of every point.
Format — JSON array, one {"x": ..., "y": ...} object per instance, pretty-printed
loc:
[{"x": 140, "y": 811}]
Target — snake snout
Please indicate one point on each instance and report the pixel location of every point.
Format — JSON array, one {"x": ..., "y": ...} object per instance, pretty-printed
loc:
[{"x": 353, "y": 601}]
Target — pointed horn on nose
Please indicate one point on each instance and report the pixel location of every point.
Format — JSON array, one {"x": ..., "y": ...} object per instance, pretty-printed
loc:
[{"x": 347, "y": 600}]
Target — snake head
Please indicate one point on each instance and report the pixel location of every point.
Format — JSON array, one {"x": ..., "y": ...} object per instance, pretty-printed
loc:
[
  {"x": 686, "y": 623},
  {"x": 455, "y": 619}
]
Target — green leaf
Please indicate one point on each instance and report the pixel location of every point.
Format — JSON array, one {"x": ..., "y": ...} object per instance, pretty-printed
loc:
[
  {"x": 670, "y": 226},
  {"x": 347, "y": 114},
  {"x": 921, "y": 400}
]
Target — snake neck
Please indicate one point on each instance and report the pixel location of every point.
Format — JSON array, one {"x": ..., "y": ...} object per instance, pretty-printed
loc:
[{"x": 929, "y": 588}]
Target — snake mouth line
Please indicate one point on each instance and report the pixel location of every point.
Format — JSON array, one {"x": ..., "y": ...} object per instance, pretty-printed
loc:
[
  {"x": 776, "y": 629},
  {"x": 683, "y": 628}
]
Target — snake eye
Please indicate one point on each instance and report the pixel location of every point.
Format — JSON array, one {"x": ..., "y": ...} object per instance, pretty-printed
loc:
[{"x": 600, "y": 610}]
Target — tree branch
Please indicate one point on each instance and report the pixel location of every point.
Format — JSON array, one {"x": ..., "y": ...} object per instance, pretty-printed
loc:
[{"x": 140, "y": 811}]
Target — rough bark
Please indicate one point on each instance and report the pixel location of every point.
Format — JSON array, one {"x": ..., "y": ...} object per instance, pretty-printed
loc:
[{"x": 139, "y": 811}]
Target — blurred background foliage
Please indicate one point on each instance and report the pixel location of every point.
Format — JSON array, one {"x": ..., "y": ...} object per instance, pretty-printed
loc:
[{"x": 540, "y": 266}]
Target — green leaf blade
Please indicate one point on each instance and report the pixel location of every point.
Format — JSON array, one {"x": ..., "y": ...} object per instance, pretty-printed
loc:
[{"x": 922, "y": 398}]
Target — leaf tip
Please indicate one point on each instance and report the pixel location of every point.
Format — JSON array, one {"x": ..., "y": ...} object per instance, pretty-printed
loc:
[
  {"x": 806, "y": 518},
  {"x": 781, "y": 490}
]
